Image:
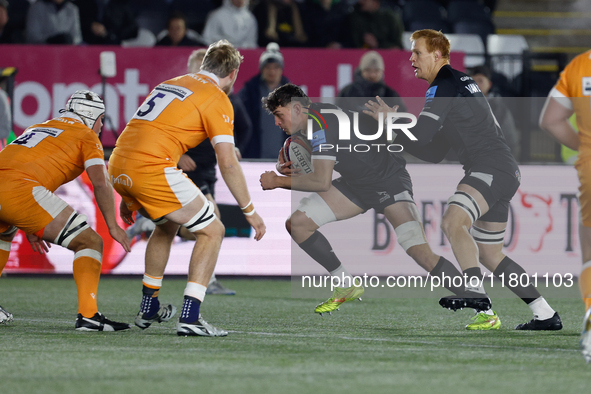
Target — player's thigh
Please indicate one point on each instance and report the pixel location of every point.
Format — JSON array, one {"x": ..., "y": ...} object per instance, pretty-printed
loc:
[
  {"x": 341, "y": 205},
  {"x": 402, "y": 212},
  {"x": 199, "y": 218},
  {"x": 318, "y": 209},
  {"x": 27, "y": 205},
  {"x": 72, "y": 231},
  {"x": 465, "y": 206}
]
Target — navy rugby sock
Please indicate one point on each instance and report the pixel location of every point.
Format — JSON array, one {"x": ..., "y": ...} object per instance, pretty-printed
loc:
[
  {"x": 508, "y": 267},
  {"x": 150, "y": 304},
  {"x": 318, "y": 247},
  {"x": 190, "y": 312},
  {"x": 449, "y": 275}
]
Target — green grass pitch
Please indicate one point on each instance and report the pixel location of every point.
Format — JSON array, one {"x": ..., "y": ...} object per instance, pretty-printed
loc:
[{"x": 278, "y": 345}]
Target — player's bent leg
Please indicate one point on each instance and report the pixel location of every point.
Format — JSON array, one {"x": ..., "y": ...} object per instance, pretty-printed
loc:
[
  {"x": 157, "y": 254},
  {"x": 70, "y": 230},
  {"x": 585, "y": 275},
  {"x": 199, "y": 218},
  {"x": 489, "y": 237},
  {"x": 313, "y": 212},
  {"x": 6, "y": 238}
]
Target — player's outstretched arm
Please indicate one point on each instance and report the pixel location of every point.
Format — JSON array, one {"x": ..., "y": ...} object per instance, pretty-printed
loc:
[
  {"x": 105, "y": 199},
  {"x": 555, "y": 120},
  {"x": 234, "y": 178}
]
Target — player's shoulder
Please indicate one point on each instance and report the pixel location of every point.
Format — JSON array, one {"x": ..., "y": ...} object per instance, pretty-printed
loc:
[
  {"x": 581, "y": 64},
  {"x": 445, "y": 81}
]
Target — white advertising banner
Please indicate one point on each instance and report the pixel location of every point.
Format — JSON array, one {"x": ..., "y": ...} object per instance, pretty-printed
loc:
[{"x": 542, "y": 234}]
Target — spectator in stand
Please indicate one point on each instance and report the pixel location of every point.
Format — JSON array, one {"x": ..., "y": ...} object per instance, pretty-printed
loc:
[
  {"x": 265, "y": 141},
  {"x": 280, "y": 21},
  {"x": 177, "y": 33},
  {"x": 7, "y": 35},
  {"x": 482, "y": 76},
  {"x": 374, "y": 27},
  {"x": 107, "y": 25},
  {"x": 368, "y": 82},
  {"x": 53, "y": 22},
  {"x": 325, "y": 22},
  {"x": 234, "y": 22}
]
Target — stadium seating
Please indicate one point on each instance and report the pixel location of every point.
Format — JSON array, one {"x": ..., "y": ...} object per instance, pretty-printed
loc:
[
  {"x": 150, "y": 14},
  {"x": 424, "y": 14},
  {"x": 145, "y": 38},
  {"x": 505, "y": 52},
  {"x": 472, "y": 45},
  {"x": 470, "y": 17}
]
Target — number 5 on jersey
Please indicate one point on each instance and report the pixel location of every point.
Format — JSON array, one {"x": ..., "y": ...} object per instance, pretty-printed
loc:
[{"x": 159, "y": 99}]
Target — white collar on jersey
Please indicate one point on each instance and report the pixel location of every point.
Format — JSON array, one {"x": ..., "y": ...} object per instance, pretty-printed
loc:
[{"x": 210, "y": 75}]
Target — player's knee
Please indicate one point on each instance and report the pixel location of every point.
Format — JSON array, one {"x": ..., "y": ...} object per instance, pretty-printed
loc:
[
  {"x": 410, "y": 236},
  {"x": 288, "y": 225},
  {"x": 88, "y": 239},
  {"x": 75, "y": 230},
  {"x": 202, "y": 219},
  {"x": 215, "y": 230},
  {"x": 8, "y": 235},
  {"x": 299, "y": 221},
  {"x": 218, "y": 228},
  {"x": 449, "y": 226}
]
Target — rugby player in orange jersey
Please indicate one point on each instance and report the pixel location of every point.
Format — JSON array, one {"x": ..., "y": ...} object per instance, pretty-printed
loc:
[
  {"x": 177, "y": 115},
  {"x": 571, "y": 95},
  {"x": 32, "y": 167}
]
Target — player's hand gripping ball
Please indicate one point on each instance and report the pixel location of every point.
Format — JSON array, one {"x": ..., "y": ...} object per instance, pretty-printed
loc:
[{"x": 297, "y": 150}]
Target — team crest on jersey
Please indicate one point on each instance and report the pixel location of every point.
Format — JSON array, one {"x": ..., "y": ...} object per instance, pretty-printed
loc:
[
  {"x": 430, "y": 94},
  {"x": 518, "y": 175},
  {"x": 318, "y": 138},
  {"x": 383, "y": 196}
]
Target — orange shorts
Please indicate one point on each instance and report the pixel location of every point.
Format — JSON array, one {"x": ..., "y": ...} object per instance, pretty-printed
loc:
[
  {"x": 584, "y": 169},
  {"x": 159, "y": 188},
  {"x": 26, "y": 204}
]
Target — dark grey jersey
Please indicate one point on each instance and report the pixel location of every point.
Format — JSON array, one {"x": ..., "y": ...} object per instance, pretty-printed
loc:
[{"x": 456, "y": 115}]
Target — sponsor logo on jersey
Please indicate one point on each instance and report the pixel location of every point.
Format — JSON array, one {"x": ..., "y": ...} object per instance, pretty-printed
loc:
[
  {"x": 473, "y": 88},
  {"x": 227, "y": 119},
  {"x": 586, "y": 86},
  {"x": 123, "y": 180}
]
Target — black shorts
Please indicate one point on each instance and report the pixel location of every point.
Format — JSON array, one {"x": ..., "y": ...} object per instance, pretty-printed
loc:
[
  {"x": 497, "y": 187},
  {"x": 204, "y": 180},
  {"x": 379, "y": 195}
]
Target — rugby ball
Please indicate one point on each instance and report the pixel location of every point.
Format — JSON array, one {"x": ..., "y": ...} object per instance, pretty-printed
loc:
[{"x": 297, "y": 150}]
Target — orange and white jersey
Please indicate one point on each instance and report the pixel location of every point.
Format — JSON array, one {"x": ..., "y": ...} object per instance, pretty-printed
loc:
[
  {"x": 575, "y": 84},
  {"x": 177, "y": 115},
  {"x": 54, "y": 152}
]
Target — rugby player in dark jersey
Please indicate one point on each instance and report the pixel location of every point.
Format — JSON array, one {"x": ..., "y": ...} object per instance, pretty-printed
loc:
[
  {"x": 457, "y": 116},
  {"x": 374, "y": 179}
]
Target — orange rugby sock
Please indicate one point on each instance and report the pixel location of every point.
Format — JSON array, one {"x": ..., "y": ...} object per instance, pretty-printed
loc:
[
  {"x": 87, "y": 272},
  {"x": 585, "y": 284}
]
